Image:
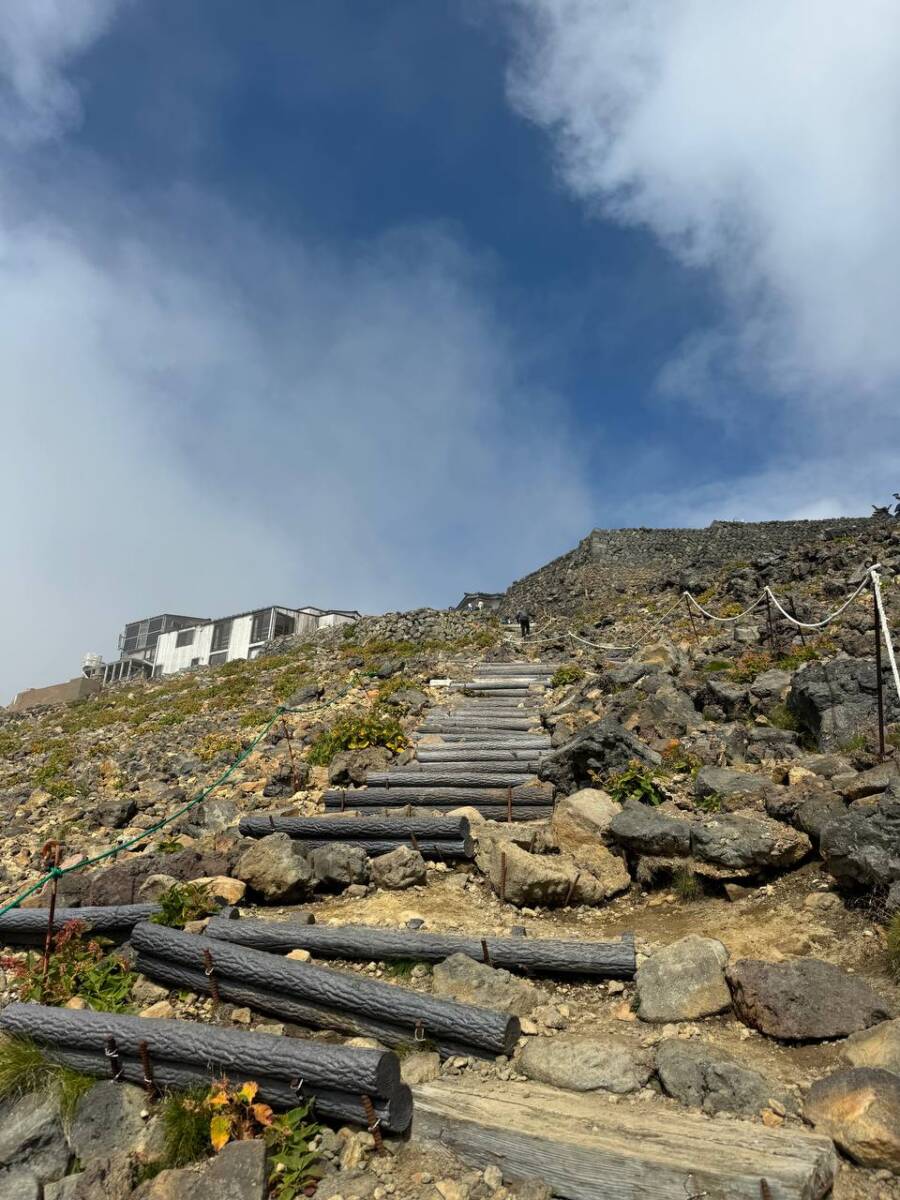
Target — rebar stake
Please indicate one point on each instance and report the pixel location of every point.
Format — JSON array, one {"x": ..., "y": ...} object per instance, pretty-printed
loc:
[
  {"x": 374, "y": 1123},
  {"x": 115, "y": 1065},
  {"x": 211, "y": 976},
  {"x": 51, "y": 854},
  {"x": 149, "y": 1082},
  {"x": 879, "y": 679}
]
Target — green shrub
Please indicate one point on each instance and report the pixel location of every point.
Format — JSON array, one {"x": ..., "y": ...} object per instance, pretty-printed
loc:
[
  {"x": 562, "y": 676},
  {"x": 781, "y": 717},
  {"x": 79, "y": 966},
  {"x": 215, "y": 744},
  {"x": 716, "y": 664},
  {"x": 184, "y": 902},
  {"x": 375, "y": 728},
  {"x": 749, "y": 665},
  {"x": 635, "y": 783},
  {"x": 711, "y": 803},
  {"x": 185, "y": 1123}
]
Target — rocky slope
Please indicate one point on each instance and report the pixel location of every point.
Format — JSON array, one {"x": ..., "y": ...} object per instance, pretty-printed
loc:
[{"x": 719, "y": 796}]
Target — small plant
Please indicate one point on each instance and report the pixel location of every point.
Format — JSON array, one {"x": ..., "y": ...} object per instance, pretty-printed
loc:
[
  {"x": 184, "y": 902},
  {"x": 678, "y": 761},
  {"x": 78, "y": 966},
  {"x": 376, "y": 728},
  {"x": 854, "y": 744},
  {"x": 215, "y": 744},
  {"x": 294, "y": 1164},
  {"x": 562, "y": 676},
  {"x": 686, "y": 885},
  {"x": 749, "y": 665},
  {"x": 185, "y": 1123},
  {"x": 716, "y": 664},
  {"x": 168, "y": 846},
  {"x": 892, "y": 946},
  {"x": 25, "y": 1070},
  {"x": 781, "y": 717},
  {"x": 893, "y": 737},
  {"x": 635, "y": 783},
  {"x": 400, "y": 968},
  {"x": 711, "y": 803}
]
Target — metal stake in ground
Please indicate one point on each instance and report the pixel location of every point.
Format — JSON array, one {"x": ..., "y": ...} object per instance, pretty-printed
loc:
[
  {"x": 509, "y": 805},
  {"x": 149, "y": 1082},
  {"x": 770, "y": 624},
  {"x": 879, "y": 678},
  {"x": 691, "y": 615},
  {"x": 112, "y": 1053},
  {"x": 51, "y": 853},
  {"x": 373, "y": 1123},
  {"x": 210, "y": 973}
]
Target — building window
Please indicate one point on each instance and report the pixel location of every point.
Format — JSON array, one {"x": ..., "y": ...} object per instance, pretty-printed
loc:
[
  {"x": 284, "y": 625},
  {"x": 221, "y": 637},
  {"x": 195, "y": 662},
  {"x": 185, "y": 638},
  {"x": 216, "y": 660},
  {"x": 262, "y": 621}
]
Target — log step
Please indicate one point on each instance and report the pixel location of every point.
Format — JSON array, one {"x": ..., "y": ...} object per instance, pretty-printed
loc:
[
  {"x": 431, "y": 754},
  {"x": 408, "y": 777},
  {"x": 490, "y": 812},
  {"x": 507, "y": 740},
  {"x": 465, "y": 765},
  {"x": 585, "y": 1151},
  {"x": 453, "y": 795}
]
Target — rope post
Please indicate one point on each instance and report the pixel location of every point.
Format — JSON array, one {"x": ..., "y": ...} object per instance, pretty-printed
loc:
[
  {"x": 149, "y": 1082},
  {"x": 112, "y": 1053},
  {"x": 485, "y": 953},
  {"x": 687, "y": 605},
  {"x": 374, "y": 1123},
  {"x": 879, "y": 679},
  {"x": 770, "y": 624},
  {"x": 51, "y": 853},
  {"x": 509, "y": 806}
]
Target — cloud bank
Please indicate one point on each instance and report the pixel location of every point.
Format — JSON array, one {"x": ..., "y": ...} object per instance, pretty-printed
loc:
[
  {"x": 203, "y": 416},
  {"x": 759, "y": 142}
]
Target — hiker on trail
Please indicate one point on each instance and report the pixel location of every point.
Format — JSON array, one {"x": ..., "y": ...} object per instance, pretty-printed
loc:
[{"x": 524, "y": 619}]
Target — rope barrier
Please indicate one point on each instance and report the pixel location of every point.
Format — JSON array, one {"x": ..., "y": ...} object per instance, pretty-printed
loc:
[
  {"x": 725, "y": 620},
  {"x": 837, "y": 612},
  {"x": 886, "y": 633}
]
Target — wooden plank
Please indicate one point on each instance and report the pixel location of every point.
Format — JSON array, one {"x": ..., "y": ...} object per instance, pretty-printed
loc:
[{"x": 587, "y": 1150}]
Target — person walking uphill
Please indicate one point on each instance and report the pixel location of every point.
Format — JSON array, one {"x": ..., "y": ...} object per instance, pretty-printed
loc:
[{"x": 524, "y": 619}]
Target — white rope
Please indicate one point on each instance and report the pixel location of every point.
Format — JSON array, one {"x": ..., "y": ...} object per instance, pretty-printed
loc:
[
  {"x": 837, "y": 612},
  {"x": 882, "y": 619},
  {"x": 725, "y": 620},
  {"x": 657, "y": 624}
]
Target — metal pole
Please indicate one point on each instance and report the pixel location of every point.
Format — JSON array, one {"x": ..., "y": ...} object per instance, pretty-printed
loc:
[
  {"x": 54, "y": 850},
  {"x": 793, "y": 604},
  {"x": 691, "y": 615},
  {"x": 879, "y": 680},
  {"x": 771, "y": 626}
]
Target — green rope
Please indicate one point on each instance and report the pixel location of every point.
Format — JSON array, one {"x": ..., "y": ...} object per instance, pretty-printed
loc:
[{"x": 56, "y": 872}]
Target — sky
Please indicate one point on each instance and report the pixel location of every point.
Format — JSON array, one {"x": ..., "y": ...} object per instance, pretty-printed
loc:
[{"x": 368, "y": 303}]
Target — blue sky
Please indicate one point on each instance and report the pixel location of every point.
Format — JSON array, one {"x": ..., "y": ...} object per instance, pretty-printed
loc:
[{"x": 370, "y": 302}]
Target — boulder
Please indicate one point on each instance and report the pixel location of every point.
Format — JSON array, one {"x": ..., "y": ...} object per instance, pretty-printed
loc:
[
  {"x": 728, "y": 784},
  {"x": 591, "y": 876},
  {"x": 102, "y": 1179},
  {"x": 237, "y": 1172},
  {"x": 599, "y": 874},
  {"x": 862, "y": 845},
  {"x": 702, "y": 1076},
  {"x": 337, "y": 865},
  {"x": 462, "y": 978},
  {"x": 223, "y": 889},
  {"x": 398, "y": 869},
  {"x": 154, "y": 886},
  {"x": 816, "y": 812},
  {"x": 870, "y": 783},
  {"x": 748, "y": 842},
  {"x": 661, "y": 655},
  {"x": 771, "y": 685},
  {"x": 683, "y": 981},
  {"x": 834, "y": 700},
  {"x": 595, "y": 752},
  {"x": 803, "y": 1000},
  {"x": 732, "y": 698},
  {"x": 32, "y": 1142},
  {"x": 670, "y": 712},
  {"x": 860, "y": 1110},
  {"x": 878, "y": 1046},
  {"x": 305, "y": 695},
  {"x": 642, "y": 829},
  {"x": 108, "y": 1121},
  {"x": 115, "y": 814},
  {"x": 583, "y": 818},
  {"x": 287, "y": 776},
  {"x": 353, "y": 766},
  {"x": 273, "y": 868},
  {"x": 586, "y": 1064},
  {"x": 421, "y": 1066}
]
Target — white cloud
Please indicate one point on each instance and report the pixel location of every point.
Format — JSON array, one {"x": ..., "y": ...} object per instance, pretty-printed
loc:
[
  {"x": 37, "y": 39},
  {"x": 758, "y": 141},
  {"x": 203, "y": 417}
]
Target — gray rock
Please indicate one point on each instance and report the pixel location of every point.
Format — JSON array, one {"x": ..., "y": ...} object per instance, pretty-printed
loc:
[
  {"x": 398, "y": 869},
  {"x": 586, "y": 1064},
  {"x": 834, "y": 700},
  {"x": 594, "y": 752},
  {"x": 670, "y": 711},
  {"x": 870, "y": 783},
  {"x": 18, "y": 1183},
  {"x": 108, "y": 1121},
  {"x": 863, "y": 844},
  {"x": 803, "y": 1000},
  {"x": 683, "y": 981},
  {"x": 732, "y": 698},
  {"x": 420, "y": 1067},
  {"x": 771, "y": 685},
  {"x": 32, "y": 1139},
  {"x": 729, "y": 784},
  {"x": 642, "y": 829},
  {"x": 116, "y": 813},
  {"x": 272, "y": 867},
  {"x": 62, "y": 1189},
  {"x": 287, "y": 776},
  {"x": 304, "y": 695},
  {"x": 736, "y": 841},
  {"x": 353, "y": 766},
  {"x": 816, "y": 812},
  {"x": 104, "y": 1179},
  {"x": 860, "y": 1110},
  {"x": 590, "y": 876},
  {"x": 462, "y": 978},
  {"x": 702, "y": 1076},
  {"x": 338, "y": 865}
]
